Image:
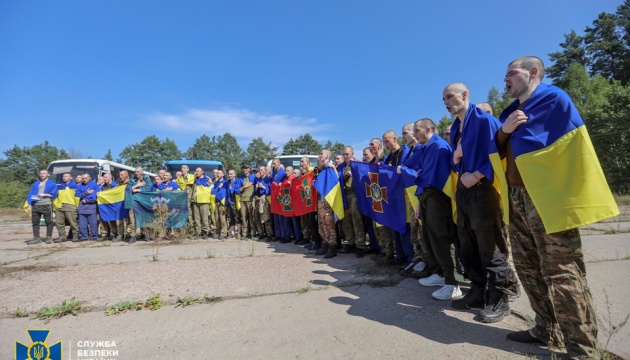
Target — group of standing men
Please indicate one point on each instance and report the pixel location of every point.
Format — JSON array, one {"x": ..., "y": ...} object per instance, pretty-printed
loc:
[{"x": 550, "y": 265}]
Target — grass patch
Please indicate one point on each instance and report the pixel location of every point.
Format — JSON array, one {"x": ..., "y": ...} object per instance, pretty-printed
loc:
[
  {"x": 206, "y": 299},
  {"x": 21, "y": 313},
  {"x": 187, "y": 301},
  {"x": 124, "y": 306},
  {"x": 14, "y": 214},
  {"x": 71, "y": 307},
  {"x": 303, "y": 290},
  {"x": 210, "y": 254},
  {"x": 622, "y": 200}
]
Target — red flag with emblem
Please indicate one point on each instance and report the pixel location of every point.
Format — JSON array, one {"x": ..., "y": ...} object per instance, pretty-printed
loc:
[
  {"x": 303, "y": 195},
  {"x": 282, "y": 198},
  {"x": 273, "y": 194}
]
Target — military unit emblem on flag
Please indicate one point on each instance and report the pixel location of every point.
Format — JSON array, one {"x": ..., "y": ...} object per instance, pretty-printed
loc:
[
  {"x": 303, "y": 195},
  {"x": 284, "y": 198},
  {"x": 376, "y": 192},
  {"x": 384, "y": 199}
]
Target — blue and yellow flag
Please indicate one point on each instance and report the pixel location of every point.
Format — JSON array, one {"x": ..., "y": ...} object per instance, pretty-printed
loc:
[
  {"x": 557, "y": 162},
  {"x": 111, "y": 204},
  {"x": 66, "y": 194},
  {"x": 380, "y": 194},
  {"x": 175, "y": 201},
  {"x": 327, "y": 184}
]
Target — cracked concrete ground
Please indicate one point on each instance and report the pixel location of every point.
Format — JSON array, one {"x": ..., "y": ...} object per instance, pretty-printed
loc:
[{"x": 340, "y": 313}]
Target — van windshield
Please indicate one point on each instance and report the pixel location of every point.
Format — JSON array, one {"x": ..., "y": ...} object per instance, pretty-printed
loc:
[{"x": 75, "y": 168}]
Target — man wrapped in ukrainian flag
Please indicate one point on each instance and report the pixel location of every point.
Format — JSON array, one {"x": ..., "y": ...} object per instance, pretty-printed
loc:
[{"x": 552, "y": 183}]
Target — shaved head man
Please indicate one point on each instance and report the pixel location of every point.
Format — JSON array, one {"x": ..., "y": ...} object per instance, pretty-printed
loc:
[
  {"x": 479, "y": 214},
  {"x": 352, "y": 222},
  {"x": 550, "y": 264},
  {"x": 376, "y": 148},
  {"x": 485, "y": 107}
]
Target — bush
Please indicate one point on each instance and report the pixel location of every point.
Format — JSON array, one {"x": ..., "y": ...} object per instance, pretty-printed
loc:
[{"x": 12, "y": 194}]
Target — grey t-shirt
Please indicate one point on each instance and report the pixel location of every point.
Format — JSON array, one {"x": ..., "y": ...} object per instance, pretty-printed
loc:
[{"x": 45, "y": 200}]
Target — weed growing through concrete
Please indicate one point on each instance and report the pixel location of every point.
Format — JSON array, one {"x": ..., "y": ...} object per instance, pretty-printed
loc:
[
  {"x": 210, "y": 254},
  {"x": 206, "y": 299},
  {"x": 303, "y": 290},
  {"x": 252, "y": 249},
  {"x": 21, "y": 313},
  {"x": 71, "y": 307},
  {"x": 187, "y": 301},
  {"x": 124, "y": 306},
  {"x": 608, "y": 326},
  {"x": 154, "y": 303}
]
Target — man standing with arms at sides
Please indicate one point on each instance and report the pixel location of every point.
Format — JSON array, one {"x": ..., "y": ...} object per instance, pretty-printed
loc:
[
  {"x": 309, "y": 221},
  {"x": 479, "y": 214},
  {"x": 247, "y": 193},
  {"x": 353, "y": 219},
  {"x": 277, "y": 176},
  {"x": 325, "y": 213},
  {"x": 141, "y": 183},
  {"x": 186, "y": 182},
  {"x": 200, "y": 202},
  {"x": 412, "y": 164},
  {"x": 39, "y": 200},
  {"x": 232, "y": 212},
  {"x": 86, "y": 191},
  {"x": 68, "y": 210},
  {"x": 127, "y": 227},
  {"x": 402, "y": 241},
  {"x": 550, "y": 265},
  {"x": 110, "y": 228},
  {"x": 262, "y": 213},
  {"x": 220, "y": 190},
  {"x": 436, "y": 212}
]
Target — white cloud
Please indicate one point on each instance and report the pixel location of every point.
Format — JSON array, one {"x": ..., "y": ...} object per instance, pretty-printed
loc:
[{"x": 241, "y": 123}]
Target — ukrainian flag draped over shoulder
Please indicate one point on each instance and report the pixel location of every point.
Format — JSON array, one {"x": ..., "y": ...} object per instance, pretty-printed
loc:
[
  {"x": 66, "y": 194},
  {"x": 111, "y": 204},
  {"x": 202, "y": 189},
  {"x": 327, "y": 184},
  {"x": 557, "y": 162},
  {"x": 436, "y": 170}
]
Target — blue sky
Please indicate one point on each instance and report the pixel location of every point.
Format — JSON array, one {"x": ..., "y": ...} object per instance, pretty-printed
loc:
[{"x": 98, "y": 75}]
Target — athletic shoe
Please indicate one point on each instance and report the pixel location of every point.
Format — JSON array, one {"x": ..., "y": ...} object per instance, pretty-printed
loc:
[
  {"x": 419, "y": 266},
  {"x": 433, "y": 280},
  {"x": 447, "y": 292}
]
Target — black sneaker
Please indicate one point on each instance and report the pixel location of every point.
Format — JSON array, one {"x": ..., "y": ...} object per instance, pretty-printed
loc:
[
  {"x": 117, "y": 239},
  {"x": 348, "y": 249},
  {"x": 475, "y": 299},
  {"x": 523, "y": 337},
  {"x": 407, "y": 270}
]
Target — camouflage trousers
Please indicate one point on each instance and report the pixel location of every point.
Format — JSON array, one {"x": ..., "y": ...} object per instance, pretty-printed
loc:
[
  {"x": 326, "y": 223},
  {"x": 384, "y": 238},
  {"x": 262, "y": 216},
  {"x": 416, "y": 235},
  {"x": 552, "y": 272},
  {"x": 352, "y": 223}
]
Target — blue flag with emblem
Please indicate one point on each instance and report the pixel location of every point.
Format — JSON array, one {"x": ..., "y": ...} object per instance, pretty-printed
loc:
[
  {"x": 380, "y": 194},
  {"x": 173, "y": 204}
]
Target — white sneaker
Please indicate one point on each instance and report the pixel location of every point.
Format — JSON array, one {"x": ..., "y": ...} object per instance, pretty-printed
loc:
[
  {"x": 433, "y": 280},
  {"x": 419, "y": 266},
  {"x": 447, "y": 292}
]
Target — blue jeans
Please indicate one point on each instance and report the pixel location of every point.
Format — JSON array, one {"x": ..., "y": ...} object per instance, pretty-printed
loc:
[
  {"x": 297, "y": 227},
  {"x": 404, "y": 247},
  {"x": 86, "y": 220},
  {"x": 370, "y": 231}
]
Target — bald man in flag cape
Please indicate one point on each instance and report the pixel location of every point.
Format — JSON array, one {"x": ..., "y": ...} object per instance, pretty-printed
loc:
[{"x": 544, "y": 156}]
